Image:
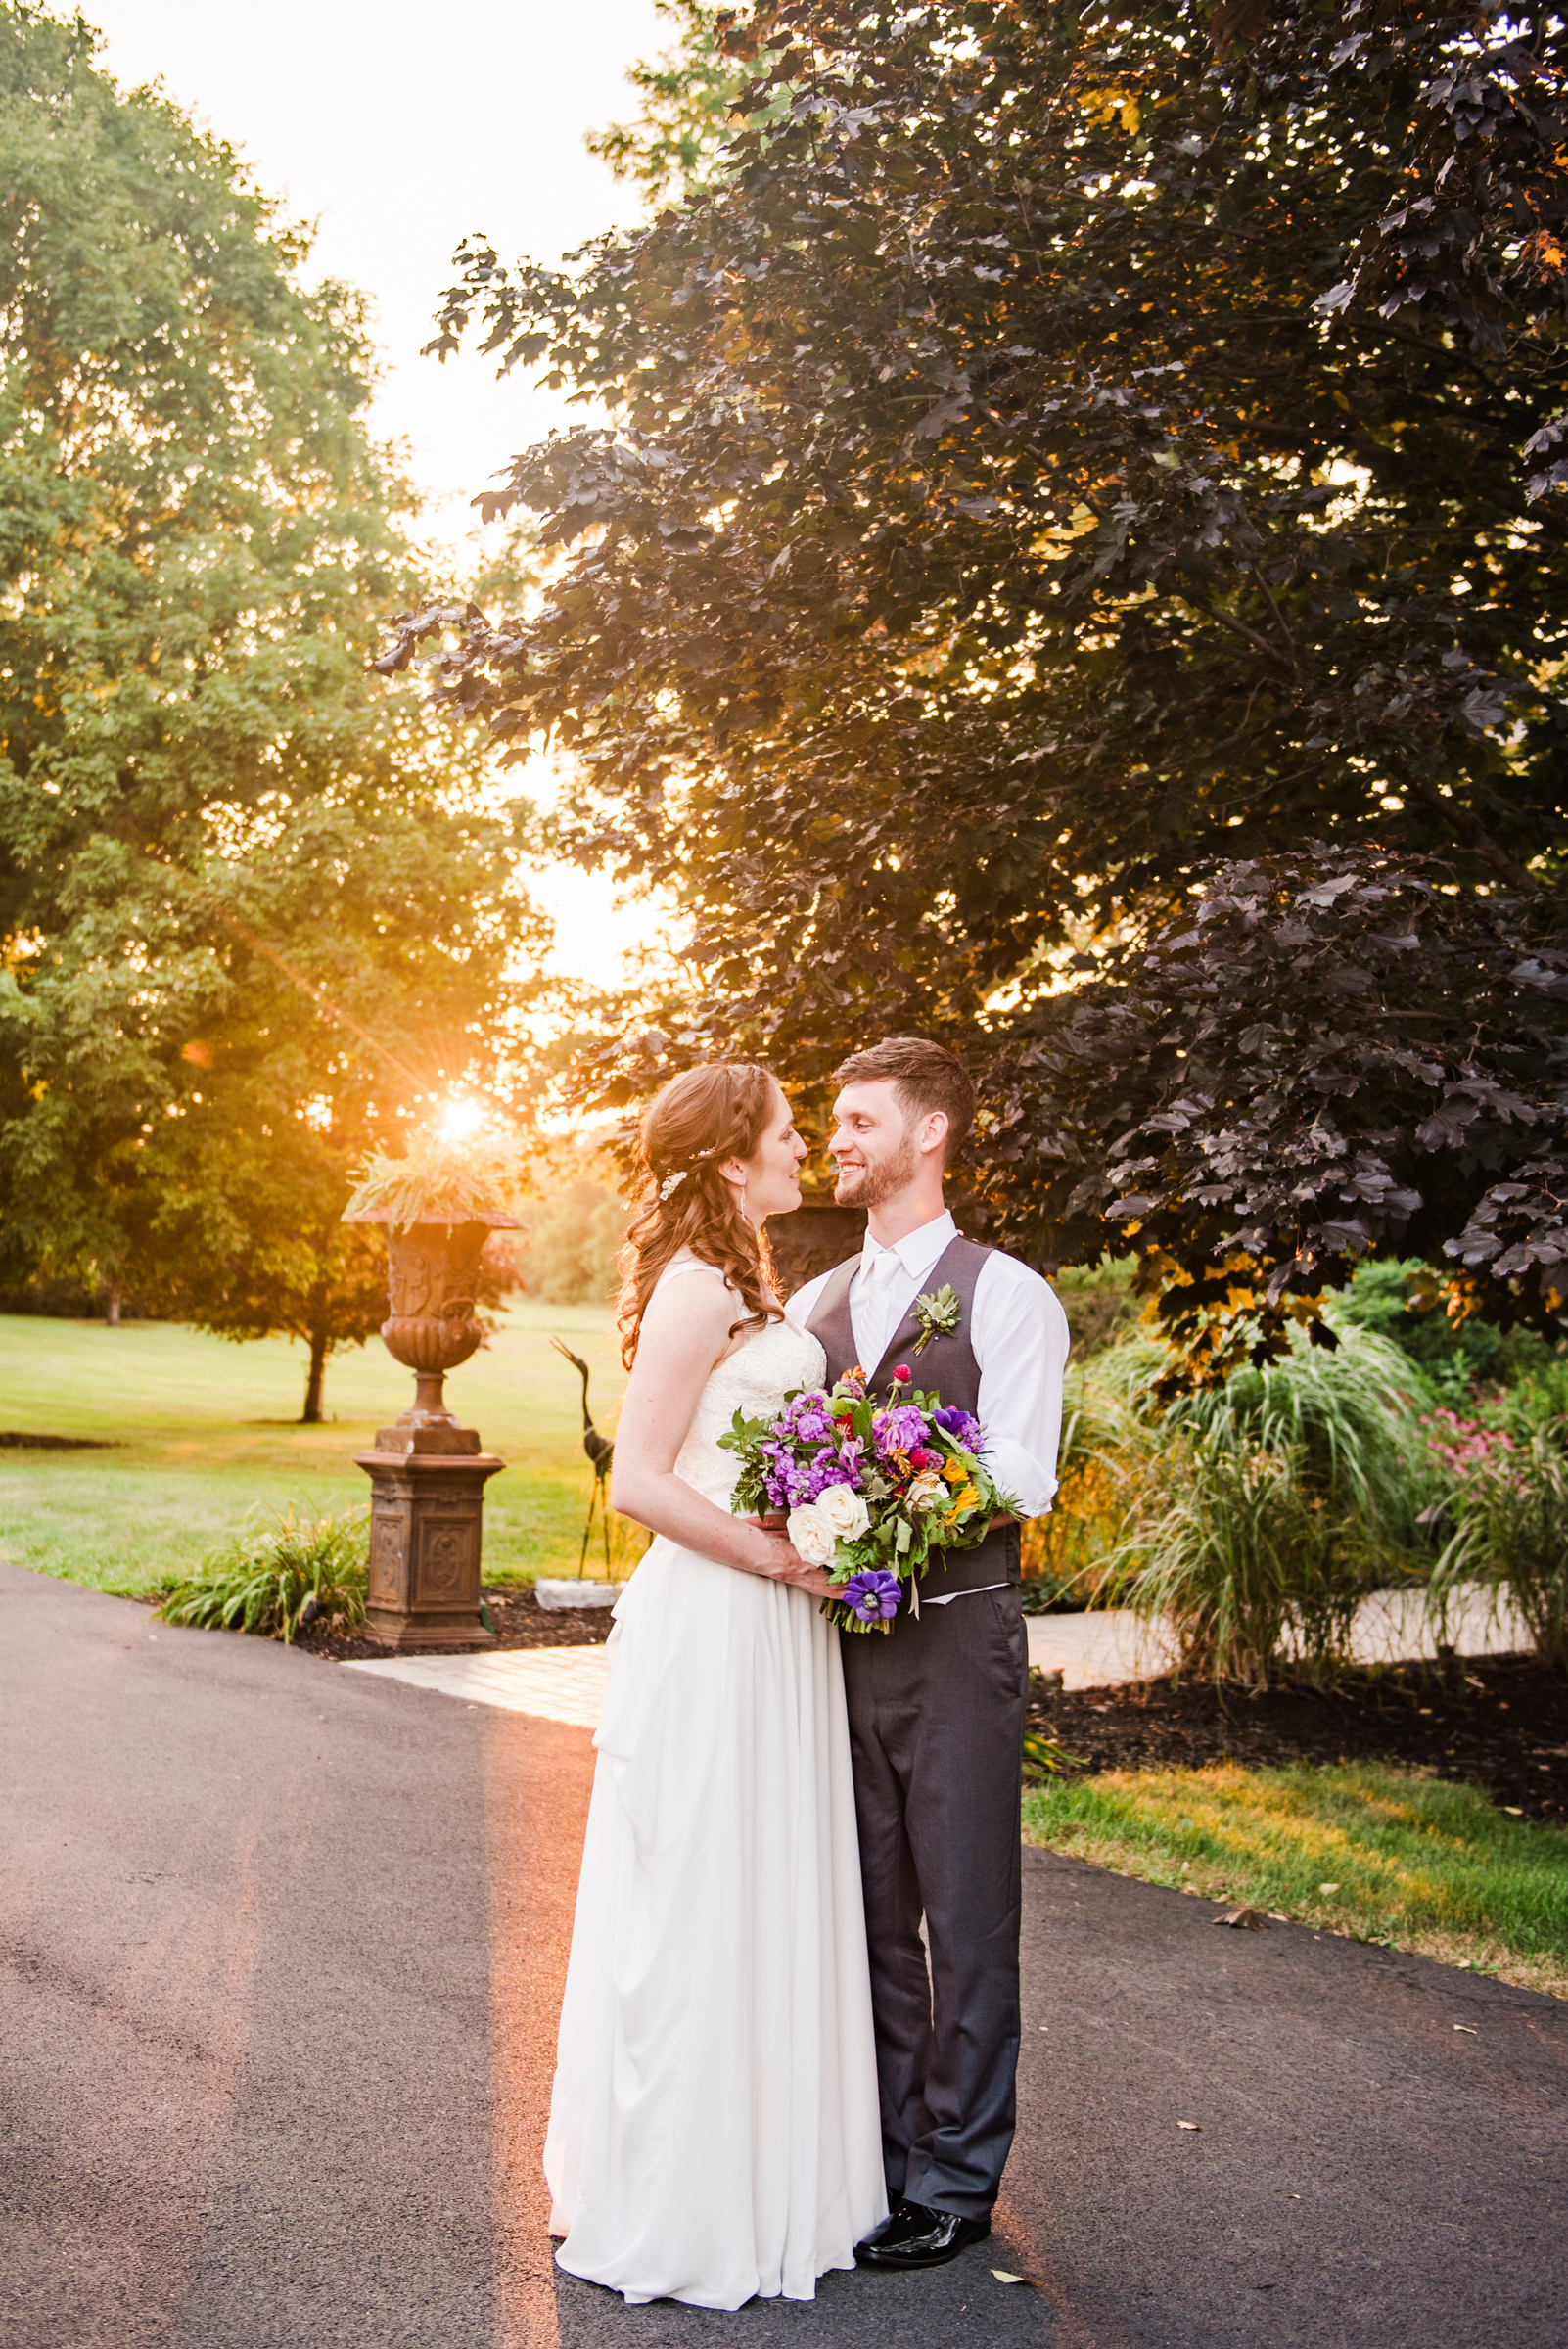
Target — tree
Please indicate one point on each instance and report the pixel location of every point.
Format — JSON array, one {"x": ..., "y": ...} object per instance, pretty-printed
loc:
[
  {"x": 256, "y": 909},
  {"x": 1063, "y": 450},
  {"x": 677, "y": 137},
  {"x": 1325, "y": 1055},
  {"x": 574, "y": 1239}
]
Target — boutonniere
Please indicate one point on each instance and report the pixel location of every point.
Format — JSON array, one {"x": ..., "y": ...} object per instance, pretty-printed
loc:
[{"x": 938, "y": 1315}]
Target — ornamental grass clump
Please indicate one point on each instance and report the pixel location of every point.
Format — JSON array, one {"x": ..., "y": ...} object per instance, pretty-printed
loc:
[
  {"x": 1509, "y": 1509},
  {"x": 1240, "y": 1563},
  {"x": 1255, "y": 1517},
  {"x": 302, "y": 1570}
]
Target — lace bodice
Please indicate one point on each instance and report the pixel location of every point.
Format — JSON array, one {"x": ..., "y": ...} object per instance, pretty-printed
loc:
[{"x": 755, "y": 1379}]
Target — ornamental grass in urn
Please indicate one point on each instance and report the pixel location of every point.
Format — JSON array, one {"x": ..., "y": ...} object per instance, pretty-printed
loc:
[{"x": 439, "y": 1204}]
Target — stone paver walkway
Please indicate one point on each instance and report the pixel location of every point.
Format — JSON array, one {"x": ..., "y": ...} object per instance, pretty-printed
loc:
[
  {"x": 553, "y": 1684},
  {"x": 1102, "y": 1649},
  {"x": 1098, "y": 1650}
]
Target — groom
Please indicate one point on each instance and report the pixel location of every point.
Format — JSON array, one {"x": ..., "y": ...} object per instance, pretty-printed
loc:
[{"x": 937, "y": 1704}]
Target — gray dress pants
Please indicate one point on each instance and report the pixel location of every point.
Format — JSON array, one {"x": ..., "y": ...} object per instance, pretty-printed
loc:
[{"x": 936, "y": 1731}]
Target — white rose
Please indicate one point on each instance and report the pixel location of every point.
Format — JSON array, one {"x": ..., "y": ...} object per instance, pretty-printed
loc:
[
  {"x": 843, "y": 1511},
  {"x": 812, "y": 1536},
  {"x": 926, "y": 1492}
]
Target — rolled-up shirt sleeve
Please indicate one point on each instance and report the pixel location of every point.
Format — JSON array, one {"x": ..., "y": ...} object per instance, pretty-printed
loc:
[{"x": 1021, "y": 1342}]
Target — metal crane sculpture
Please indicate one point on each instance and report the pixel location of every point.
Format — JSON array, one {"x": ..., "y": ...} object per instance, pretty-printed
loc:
[{"x": 600, "y": 1449}]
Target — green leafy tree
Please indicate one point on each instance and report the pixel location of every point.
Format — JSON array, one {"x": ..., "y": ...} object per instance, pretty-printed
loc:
[
  {"x": 572, "y": 1242},
  {"x": 677, "y": 136},
  {"x": 1067, "y": 446},
  {"x": 255, "y": 913}
]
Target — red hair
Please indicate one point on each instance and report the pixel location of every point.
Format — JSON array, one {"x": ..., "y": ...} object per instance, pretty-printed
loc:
[{"x": 700, "y": 1118}]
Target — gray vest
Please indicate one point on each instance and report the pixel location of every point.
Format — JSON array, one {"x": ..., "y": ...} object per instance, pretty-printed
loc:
[{"x": 947, "y": 1366}]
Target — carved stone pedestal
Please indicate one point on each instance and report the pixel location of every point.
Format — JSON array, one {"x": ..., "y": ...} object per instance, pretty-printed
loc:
[{"x": 426, "y": 1498}]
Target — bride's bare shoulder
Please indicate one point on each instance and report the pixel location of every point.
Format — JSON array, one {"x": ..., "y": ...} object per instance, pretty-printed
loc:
[
  {"x": 684, "y": 1261},
  {"x": 686, "y": 1310}
]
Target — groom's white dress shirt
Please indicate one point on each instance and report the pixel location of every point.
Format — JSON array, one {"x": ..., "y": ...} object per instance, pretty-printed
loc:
[{"x": 1018, "y": 1332}]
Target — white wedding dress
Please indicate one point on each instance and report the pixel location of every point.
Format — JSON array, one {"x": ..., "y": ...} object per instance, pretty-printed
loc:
[{"x": 713, "y": 2128}]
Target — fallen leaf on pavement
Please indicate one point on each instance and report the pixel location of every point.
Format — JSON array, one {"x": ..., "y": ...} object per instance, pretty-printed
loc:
[
  {"x": 1198, "y": 2125},
  {"x": 1250, "y": 1921},
  {"x": 1468, "y": 2029},
  {"x": 1002, "y": 2277}
]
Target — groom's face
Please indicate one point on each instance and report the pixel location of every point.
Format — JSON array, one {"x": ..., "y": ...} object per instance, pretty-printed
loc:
[{"x": 872, "y": 1145}]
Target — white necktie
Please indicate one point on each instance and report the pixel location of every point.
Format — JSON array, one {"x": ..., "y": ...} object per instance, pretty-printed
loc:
[{"x": 877, "y": 1317}]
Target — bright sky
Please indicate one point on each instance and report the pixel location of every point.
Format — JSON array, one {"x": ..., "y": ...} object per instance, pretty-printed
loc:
[{"x": 400, "y": 129}]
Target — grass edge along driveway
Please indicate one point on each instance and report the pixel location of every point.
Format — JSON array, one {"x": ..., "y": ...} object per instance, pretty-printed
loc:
[{"x": 1360, "y": 1849}]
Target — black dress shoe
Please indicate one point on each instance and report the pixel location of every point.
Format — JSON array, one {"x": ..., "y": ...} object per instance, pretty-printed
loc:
[
  {"x": 881, "y": 2231},
  {"x": 918, "y": 2237}
]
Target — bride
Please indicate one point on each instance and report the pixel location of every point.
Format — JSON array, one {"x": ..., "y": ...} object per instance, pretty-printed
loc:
[{"x": 714, "y": 2128}]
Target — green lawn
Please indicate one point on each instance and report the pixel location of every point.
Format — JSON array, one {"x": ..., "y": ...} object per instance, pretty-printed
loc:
[
  {"x": 206, "y": 1431},
  {"x": 1366, "y": 1850}
]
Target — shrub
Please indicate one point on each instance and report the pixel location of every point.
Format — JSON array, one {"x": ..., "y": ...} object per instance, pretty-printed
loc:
[
  {"x": 1509, "y": 1515},
  {"x": 1235, "y": 1555},
  {"x": 1100, "y": 1303},
  {"x": 1352, "y": 1415},
  {"x": 278, "y": 1580},
  {"x": 1248, "y": 1520},
  {"x": 1402, "y": 1302},
  {"x": 1108, "y": 1434}
]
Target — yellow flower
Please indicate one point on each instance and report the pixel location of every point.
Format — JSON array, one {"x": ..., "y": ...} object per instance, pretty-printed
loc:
[
  {"x": 954, "y": 1471},
  {"x": 963, "y": 1502}
]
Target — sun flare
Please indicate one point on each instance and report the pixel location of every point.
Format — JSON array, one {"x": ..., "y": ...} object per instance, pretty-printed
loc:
[{"x": 460, "y": 1120}]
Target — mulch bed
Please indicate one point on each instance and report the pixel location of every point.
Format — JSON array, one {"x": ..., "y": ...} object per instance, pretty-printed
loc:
[
  {"x": 518, "y": 1619},
  {"x": 1497, "y": 1721}
]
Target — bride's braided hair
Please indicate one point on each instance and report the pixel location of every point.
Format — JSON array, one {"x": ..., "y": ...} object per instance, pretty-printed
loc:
[{"x": 701, "y": 1119}]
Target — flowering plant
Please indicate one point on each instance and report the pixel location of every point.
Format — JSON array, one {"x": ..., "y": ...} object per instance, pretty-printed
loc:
[{"x": 873, "y": 1490}]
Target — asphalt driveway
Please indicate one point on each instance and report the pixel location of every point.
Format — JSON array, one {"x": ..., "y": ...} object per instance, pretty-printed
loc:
[{"x": 279, "y": 1949}]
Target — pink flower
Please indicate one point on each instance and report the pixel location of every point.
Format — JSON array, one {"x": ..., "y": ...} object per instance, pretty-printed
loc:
[{"x": 903, "y": 1373}]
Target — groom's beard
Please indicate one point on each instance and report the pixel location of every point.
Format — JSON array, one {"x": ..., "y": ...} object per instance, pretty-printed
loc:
[{"x": 869, "y": 1186}]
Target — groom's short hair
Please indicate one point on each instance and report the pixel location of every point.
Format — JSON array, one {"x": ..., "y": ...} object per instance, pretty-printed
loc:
[{"x": 925, "y": 1076}]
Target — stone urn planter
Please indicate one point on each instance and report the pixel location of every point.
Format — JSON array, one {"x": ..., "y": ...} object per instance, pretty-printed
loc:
[{"x": 427, "y": 1472}]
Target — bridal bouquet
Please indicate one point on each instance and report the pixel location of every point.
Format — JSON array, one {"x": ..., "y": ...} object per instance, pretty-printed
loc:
[{"x": 874, "y": 1489}]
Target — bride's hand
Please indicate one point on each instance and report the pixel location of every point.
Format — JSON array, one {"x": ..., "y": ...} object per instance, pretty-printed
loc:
[
  {"x": 815, "y": 1583},
  {"x": 783, "y": 1562}
]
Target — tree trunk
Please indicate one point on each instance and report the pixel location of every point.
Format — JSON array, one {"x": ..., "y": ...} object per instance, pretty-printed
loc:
[
  {"x": 320, "y": 1347},
  {"x": 112, "y": 1308}
]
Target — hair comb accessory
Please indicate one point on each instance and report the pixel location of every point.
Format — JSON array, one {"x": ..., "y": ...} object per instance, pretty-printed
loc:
[{"x": 671, "y": 1182}]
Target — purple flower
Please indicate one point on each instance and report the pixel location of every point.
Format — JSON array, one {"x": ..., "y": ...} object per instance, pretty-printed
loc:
[
  {"x": 873, "y": 1595},
  {"x": 958, "y": 1424},
  {"x": 901, "y": 1429}
]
